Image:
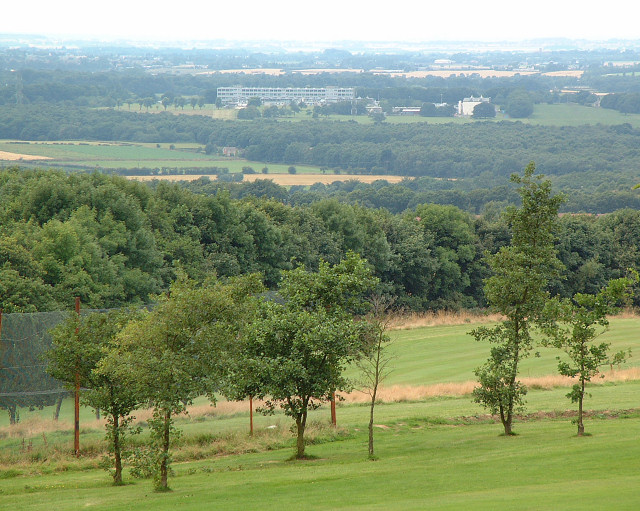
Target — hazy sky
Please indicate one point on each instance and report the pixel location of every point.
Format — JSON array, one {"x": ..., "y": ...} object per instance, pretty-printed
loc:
[{"x": 328, "y": 20}]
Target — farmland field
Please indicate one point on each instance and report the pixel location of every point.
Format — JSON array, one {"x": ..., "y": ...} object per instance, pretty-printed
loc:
[
  {"x": 285, "y": 179},
  {"x": 559, "y": 114},
  {"x": 439, "y": 452},
  {"x": 99, "y": 155}
]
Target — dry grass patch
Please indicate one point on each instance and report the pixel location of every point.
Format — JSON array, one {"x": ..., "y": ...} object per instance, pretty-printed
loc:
[
  {"x": 406, "y": 393},
  {"x": 34, "y": 426},
  {"x": 413, "y": 320},
  {"x": 280, "y": 179},
  {"x": 7, "y": 156},
  {"x": 574, "y": 73},
  {"x": 439, "y": 318}
]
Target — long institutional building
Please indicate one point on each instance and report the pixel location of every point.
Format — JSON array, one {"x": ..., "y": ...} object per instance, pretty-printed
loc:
[{"x": 310, "y": 95}]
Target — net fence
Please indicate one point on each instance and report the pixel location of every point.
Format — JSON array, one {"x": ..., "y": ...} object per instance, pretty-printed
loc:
[{"x": 24, "y": 382}]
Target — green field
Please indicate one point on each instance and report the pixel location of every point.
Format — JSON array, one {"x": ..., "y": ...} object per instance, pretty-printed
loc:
[
  {"x": 452, "y": 354},
  {"x": 440, "y": 453},
  {"x": 560, "y": 114},
  {"x": 96, "y": 155},
  {"x": 82, "y": 155}
]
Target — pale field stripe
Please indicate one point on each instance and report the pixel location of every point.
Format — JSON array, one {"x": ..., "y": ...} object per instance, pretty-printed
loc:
[
  {"x": 6, "y": 156},
  {"x": 282, "y": 179}
]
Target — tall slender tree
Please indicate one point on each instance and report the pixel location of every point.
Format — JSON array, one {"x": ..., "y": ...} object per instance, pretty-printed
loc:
[
  {"x": 517, "y": 290},
  {"x": 375, "y": 366}
]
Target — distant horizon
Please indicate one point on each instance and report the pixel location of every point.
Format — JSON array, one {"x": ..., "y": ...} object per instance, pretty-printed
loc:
[
  {"x": 333, "y": 23},
  {"x": 532, "y": 44}
]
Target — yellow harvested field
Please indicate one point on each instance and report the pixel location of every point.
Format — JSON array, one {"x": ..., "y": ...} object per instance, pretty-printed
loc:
[
  {"x": 574, "y": 73},
  {"x": 283, "y": 179},
  {"x": 483, "y": 73},
  {"x": 318, "y": 71},
  {"x": 309, "y": 179},
  {"x": 444, "y": 73},
  {"x": 5, "y": 156},
  {"x": 259, "y": 71}
]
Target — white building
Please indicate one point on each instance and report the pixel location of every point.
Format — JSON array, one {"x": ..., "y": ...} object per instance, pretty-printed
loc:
[
  {"x": 466, "y": 106},
  {"x": 310, "y": 95}
]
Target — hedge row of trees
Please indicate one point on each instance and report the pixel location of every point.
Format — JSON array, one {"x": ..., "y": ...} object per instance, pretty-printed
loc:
[
  {"x": 626, "y": 103},
  {"x": 476, "y": 196},
  {"x": 114, "y": 242},
  {"x": 110, "y": 88},
  {"x": 218, "y": 337}
]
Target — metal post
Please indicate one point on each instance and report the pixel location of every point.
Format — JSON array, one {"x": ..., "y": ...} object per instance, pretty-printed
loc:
[
  {"x": 251, "y": 415},
  {"x": 76, "y": 439},
  {"x": 333, "y": 408}
]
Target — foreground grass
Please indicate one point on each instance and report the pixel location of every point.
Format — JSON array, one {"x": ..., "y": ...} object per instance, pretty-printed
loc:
[
  {"x": 441, "y": 452},
  {"x": 420, "y": 466}
]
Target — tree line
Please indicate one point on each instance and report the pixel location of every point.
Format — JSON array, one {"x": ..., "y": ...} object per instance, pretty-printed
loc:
[
  {"x": 488, "y": 150},
  {"x": 218, "y": 337},
  {"x": 115, "y": 242}
]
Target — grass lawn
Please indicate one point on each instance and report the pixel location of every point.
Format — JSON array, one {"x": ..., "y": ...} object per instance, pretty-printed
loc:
[
  {"x": 439, "y": 453},
  {"x": 420, "y": 466}
]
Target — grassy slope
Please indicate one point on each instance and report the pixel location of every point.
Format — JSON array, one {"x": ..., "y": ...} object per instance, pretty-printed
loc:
[
  {"x": 429, "y": 456},
  {"x": 441, "y": 354},
  {"x": 421, "y": 466}
]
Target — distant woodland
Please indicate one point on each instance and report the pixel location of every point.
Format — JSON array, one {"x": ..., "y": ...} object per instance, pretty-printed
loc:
[
  {"x": 465, "y": 165},
  {"x": 112, "y": 242}
]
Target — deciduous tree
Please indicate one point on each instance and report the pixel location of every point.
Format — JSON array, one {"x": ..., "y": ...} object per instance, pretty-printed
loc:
[
  {"x": 295, "y": 352},
  {"x": 517, "y": 290},
  {"x": 576, "y": 324},
  {"x": 180, "y": 350},
  {"x": 375, "y": 366},
  {"x": 79, "y": 346}
]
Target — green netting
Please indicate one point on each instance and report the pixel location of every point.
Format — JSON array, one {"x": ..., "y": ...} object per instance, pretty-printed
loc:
[{"x": 24, "y": 382}]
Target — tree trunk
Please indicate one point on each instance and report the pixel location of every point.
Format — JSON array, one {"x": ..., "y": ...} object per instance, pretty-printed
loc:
[
  {"x": 56, "y": 413},
  {"x": 13, "y": 414},
  {"x": 373, "y": 403},
  {"x": 301, "y": 421},
  {"x": 580, "y": 423},
  {"x": 508, "y": 431},
  {"x": 117, "y": 475},
  {"x": 508, "y": 420},
  {"x": 164, "y": 464},
  {"x": 97, "y": 414}
]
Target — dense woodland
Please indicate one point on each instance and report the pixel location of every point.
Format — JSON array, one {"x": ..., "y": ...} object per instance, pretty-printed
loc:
[{"x": 113, "y": 242}]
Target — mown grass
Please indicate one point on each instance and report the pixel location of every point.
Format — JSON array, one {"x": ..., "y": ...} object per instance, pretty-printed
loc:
[
  {"x": 572, "y": 114},
  {"x": 440, "y": 452},
  {"x": 421, "y": 465}
]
